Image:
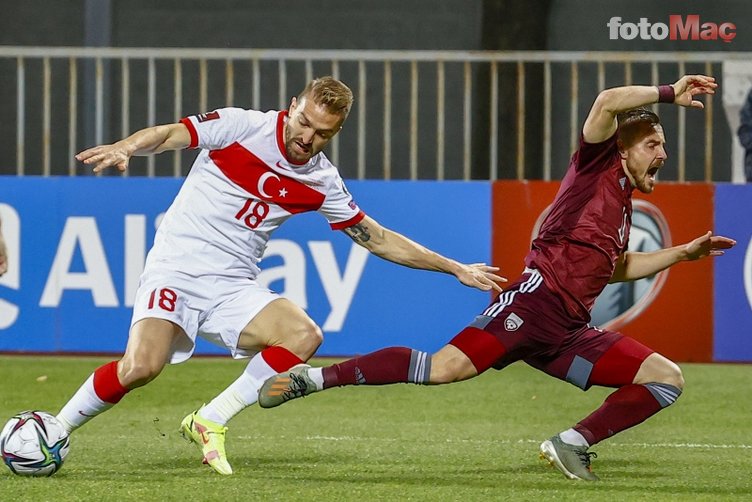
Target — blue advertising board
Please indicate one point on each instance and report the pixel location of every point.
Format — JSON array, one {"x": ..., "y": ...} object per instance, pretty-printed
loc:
[
  {"x": 77, "y": 247},
  {"x": 732, "y": 331}
]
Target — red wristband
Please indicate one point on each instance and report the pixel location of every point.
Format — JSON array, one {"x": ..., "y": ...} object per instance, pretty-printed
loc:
[{"x": 666, "y": 93}]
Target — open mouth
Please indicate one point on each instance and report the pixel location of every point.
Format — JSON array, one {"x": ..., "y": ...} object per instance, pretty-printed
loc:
[
  {"x": 652, "y": 172},
  {"x": 303, "y": 148}
]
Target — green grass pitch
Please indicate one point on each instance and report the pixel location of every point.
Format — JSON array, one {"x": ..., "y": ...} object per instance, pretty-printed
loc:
[{"x": 475, "y": 440}]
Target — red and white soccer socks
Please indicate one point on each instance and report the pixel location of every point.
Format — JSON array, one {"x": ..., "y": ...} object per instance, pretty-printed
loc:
[
  {"x": 243, "y": 392},
  {"x": 99, "y": 393}
]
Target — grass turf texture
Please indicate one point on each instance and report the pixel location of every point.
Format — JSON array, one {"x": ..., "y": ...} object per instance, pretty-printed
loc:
[{"x": 475, "y": 440}]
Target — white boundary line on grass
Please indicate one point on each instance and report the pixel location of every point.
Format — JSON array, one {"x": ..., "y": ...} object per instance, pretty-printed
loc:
[{"x": 531, "y": 441}]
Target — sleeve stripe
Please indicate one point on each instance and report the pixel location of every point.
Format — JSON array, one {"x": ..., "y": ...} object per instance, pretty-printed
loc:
[
  {"x": 348, "y": 223},
  {"x": 192, "y": 131}
]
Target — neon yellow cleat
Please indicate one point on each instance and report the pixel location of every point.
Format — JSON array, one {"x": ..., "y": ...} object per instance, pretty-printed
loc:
[{"x": 210, "y": 438}]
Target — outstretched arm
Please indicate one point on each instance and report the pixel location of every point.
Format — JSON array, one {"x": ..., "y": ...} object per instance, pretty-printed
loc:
[
  {"x": 399, "y": 249},
  {"x": 155, "y": 139},
  {"x": 633, "y": 265},
  {"x": 601, "y": 121}
]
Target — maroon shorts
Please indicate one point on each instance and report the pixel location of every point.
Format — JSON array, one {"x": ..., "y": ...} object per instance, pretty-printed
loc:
[{"x": 532, "y": 324}]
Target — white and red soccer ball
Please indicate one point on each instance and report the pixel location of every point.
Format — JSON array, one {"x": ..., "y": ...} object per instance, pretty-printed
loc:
[{"x": 34, "y": 443}]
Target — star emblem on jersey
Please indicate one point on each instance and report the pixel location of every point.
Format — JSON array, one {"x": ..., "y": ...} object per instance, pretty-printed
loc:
[
  {"x": 256, "y": 177},
  {"x": 513, "y": 322}
]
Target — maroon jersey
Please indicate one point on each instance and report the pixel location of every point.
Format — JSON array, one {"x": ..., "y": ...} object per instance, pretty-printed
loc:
[{"x": 586, "y": 229}]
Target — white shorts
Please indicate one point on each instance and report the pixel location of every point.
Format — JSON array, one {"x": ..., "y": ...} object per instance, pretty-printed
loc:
[{"x": 214, "y": 308}]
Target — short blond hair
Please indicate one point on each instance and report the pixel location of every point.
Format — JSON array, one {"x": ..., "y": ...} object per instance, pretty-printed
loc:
[{"x": 331, "y": 93}]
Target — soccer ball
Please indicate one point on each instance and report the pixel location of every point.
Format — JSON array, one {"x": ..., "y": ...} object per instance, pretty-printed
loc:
[{"x": 34, "y": 443}]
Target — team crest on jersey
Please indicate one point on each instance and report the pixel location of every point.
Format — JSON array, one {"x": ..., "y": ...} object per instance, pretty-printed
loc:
[
  {"x": 623, "y": 182},
  {"x": 204, "y": 117},
  {"x": 513, "y": 322}
]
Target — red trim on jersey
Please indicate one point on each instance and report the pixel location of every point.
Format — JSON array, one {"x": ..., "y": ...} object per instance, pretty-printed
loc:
[
  {"x": 256, "y": 177},
  {"x": 192, "y": 131},
  {"x": 481, "y": 347},
  {"x": 107, "y": 386},
  {"x": 280, "y": 359},
  {"x": 348, "y": 223},
  {"x": 281, "y": 138}
]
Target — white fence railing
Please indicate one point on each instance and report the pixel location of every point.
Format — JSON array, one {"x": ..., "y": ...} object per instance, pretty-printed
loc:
[{"x": 418, "y": 114}]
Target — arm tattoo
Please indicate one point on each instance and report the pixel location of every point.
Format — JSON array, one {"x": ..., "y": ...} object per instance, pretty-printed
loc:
[{"x": 359, "y": 233}]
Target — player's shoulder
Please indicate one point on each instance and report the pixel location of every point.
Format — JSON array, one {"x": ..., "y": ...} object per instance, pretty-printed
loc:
[
  {"x": 247, "y": 123},
  {"x": 325, "y": 168},
  {"x": 245, "y": 114},
  {"x": 323, "y": 162},
  {"x": 327, "y": 174},
  {"x": 595, "y": 156},
  {"x": 270, "y": 115},
  {"x": 597, "y": 142},
  {"x": 236, "y": 113}
]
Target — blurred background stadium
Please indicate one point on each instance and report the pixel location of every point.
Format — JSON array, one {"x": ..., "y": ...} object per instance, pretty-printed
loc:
[
  {"x": 432, "y": 102},
  {"x": 466, "y": 114}
]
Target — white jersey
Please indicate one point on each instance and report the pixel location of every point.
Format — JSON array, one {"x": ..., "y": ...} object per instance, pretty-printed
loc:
[{"x": 241, "y": 187}]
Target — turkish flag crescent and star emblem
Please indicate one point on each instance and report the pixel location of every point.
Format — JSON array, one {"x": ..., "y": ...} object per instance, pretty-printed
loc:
[{"x": 256, "y": 177}]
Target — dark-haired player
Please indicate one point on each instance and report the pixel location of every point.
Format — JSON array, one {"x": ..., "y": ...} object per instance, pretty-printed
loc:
[{"x": 542, "y": 318}]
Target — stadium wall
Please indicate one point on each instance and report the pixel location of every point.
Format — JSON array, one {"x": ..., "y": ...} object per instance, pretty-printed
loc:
[
  {"x": 77, "y": 246},
  {"x": 733, "y": 276}
]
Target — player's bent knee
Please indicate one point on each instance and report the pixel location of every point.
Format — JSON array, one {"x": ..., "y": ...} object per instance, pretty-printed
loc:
[
  {"x": 451, "y": 365},
  {"x": 662, "y": 377},
  {"x": 305, "y": 338},
  {"x": 656, "y": 368},
  {"x": 446, "y": 373},
  {"x": 440, "y": 374},
  {"x": 673, "y": 375},
  {"x": 134, "y": 374}
]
